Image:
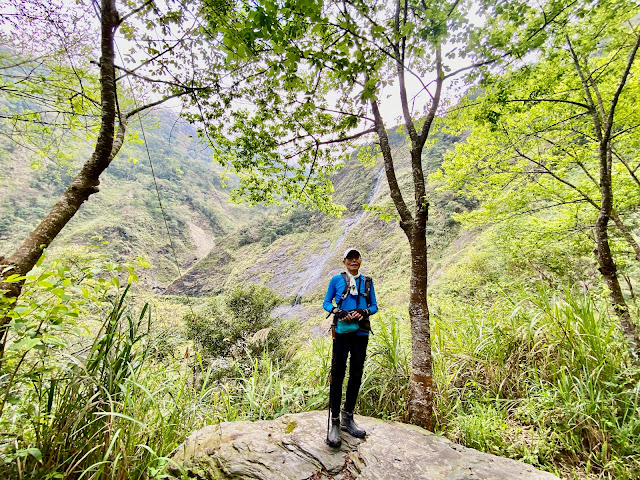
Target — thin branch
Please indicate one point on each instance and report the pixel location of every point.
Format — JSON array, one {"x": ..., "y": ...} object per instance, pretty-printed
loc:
[
  {"x": 550, "y": 172},
  {"x": 627, "y": 166},
  {"x": 133, "y": 12},
  {"x": 131, "y": 113},
  {"x": 597, "y": 121},
  {"x": 399, "y": 52},
  {"x": 313, "y": 164},
  {"x": 626, "y": 130},
  {"x": 349, "y": 138},
  {"x": 546, "y": 22},
  {"x": 539, "y": 209},
  {"x": 158, "y": 55},
  {"x": 596, "y": 91},
  {"x": 476, "y": 65},
  {"x": 623, "y": 81},
  {"x": 324, "y": 142},
  {"x": 552, "y": 100},
  {"x": 152, "y": 80},
  {"x": 426, "y": 127},
  {"x": 406, "y": 219},
  {"x": 453, "y": 7}
]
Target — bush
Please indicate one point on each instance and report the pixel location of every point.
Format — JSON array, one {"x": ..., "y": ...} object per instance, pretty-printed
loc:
[
  {"x": 83, "y": 405},
  {"x": 240, "y": 322},
  {"x": 267, "y": 231},
  {"x": 551, "y": 366},
  {"x": 385, "y": 384}
]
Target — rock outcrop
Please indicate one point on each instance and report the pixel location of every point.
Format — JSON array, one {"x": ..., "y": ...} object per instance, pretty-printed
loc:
[{"x": 292, "y": 447}]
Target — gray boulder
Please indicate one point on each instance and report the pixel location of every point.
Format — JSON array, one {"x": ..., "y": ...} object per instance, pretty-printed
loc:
[{"x": 292, "y": 448}]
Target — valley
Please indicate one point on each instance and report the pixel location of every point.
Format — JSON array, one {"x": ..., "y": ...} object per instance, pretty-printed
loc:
[{"x": 179, "y": 181}]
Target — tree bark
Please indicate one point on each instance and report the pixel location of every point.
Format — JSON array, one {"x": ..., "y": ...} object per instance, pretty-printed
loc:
[
  {"x": 609, "y": 272},
  {"x": 86, "y": 182},
  {"x": 603, "y": 126},
  {"x": 605, "y": 259},
  {"x": 414, "y": 226},
  {"x": 421, "y": 385}
]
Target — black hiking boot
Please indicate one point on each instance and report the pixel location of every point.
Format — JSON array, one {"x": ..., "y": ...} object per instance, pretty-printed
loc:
[
  {"x": 349, "y": 426},
  {"x": 333, "y": 436}
]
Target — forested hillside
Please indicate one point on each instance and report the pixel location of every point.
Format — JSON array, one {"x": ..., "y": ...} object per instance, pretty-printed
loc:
[
  {"x": 125, "y": 220},
  {"x": 179, "y": 181},
  {"x": 295, "y": 253}
]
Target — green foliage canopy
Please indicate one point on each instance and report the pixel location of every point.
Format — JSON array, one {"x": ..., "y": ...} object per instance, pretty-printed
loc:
[
  {"x": 532, "y": 156},
  {"x": 241, "y": 322},
  {"x": 310, "y": 70}
]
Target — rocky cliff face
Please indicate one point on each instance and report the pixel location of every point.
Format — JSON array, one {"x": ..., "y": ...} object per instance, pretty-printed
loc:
[{"x": 292, "y": 447}]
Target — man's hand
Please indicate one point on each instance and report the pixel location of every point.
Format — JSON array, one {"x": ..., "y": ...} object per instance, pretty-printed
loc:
[
  {"x": 340, "y": 314},
  {"x": 346, "y": 315},
  {"x": 363, "y": 312}
]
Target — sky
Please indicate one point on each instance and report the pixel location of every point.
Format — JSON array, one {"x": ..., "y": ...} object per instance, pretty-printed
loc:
[{"x": 389, "y": 103}]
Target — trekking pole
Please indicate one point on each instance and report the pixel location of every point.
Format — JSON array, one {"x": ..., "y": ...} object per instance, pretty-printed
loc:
[
  {"x": 333, "y": 335},
  {"x": 329, "y": 409},
  {"x": 330, "y": 391}
]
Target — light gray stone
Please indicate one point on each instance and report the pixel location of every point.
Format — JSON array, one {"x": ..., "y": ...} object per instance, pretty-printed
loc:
[{"x": 292, "y": 448}]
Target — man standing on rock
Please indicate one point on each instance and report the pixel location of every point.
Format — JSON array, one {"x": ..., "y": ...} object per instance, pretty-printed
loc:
[{"x": 355, "y": 301}]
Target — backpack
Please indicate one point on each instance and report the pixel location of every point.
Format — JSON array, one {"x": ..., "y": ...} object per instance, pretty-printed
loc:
[
  {"x": 367, "y": 289},
  {"x": 363, "y": 324}
]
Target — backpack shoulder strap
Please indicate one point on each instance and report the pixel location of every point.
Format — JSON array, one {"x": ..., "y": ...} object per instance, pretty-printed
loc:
[
  {"x": 367, "y": 289},
  {"x": 345, "y": 292}
]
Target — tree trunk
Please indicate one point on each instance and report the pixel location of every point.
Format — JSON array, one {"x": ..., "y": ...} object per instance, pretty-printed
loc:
[
  {"x": 603, "y": 122},
  {"x": 609, "y": 272},
  {"x": 605, "y": 259},
  {"x": 421, "y": 385},
  {"x": 85, "y": 183},
  {"x": 414, "y": 226}
]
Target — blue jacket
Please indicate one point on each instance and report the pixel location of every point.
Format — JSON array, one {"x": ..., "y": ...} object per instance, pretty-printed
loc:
[{"x": 351, "y": 302}]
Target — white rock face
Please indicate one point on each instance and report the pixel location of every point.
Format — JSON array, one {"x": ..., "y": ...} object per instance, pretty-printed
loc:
[{"x": 292, "y": 448}]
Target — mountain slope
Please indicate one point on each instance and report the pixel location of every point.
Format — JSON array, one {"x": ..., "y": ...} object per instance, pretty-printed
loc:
[
  {"x": 217, "y": 243},
  {"x": 297, "y": 253},
  {"x": 126, "y": 212}
]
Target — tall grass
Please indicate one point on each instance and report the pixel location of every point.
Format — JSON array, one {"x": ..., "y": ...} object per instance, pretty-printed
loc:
[
  {"x": 546, "y": 379},
  {"x": 385, "y": 383},
  {"x": 269, "y": 390},
  {"x": 101, "y": 412}
]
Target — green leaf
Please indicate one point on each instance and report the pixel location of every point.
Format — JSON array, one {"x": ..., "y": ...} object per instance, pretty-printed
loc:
[
  {"x": 35, "y": 453},
  {"x": 24, "y": 344}
]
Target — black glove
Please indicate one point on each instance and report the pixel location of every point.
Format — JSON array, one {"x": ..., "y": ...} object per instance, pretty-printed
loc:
[
  {"x": 339, "y": 313},
  {"x": 363, "y": 311}
]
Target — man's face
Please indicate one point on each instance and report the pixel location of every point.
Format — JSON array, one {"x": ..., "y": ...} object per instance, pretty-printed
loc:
[{"x": 352, "y": 262}]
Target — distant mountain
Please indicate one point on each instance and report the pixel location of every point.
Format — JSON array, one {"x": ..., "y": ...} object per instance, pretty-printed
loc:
[
  {"x": 218, "y": 243},
  {"x": 126, "y": 212},
  {"x": 296, "y": 254}
]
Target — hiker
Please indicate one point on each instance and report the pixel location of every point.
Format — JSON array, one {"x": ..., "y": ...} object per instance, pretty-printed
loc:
[{"x": 355, "y": 301}]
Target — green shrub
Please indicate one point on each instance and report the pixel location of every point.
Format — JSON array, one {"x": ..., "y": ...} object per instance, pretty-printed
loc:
[
  {"x": 483, "y": 428},
  {"x": 550, "y": 373},
  {"x": 385, "y": 382},
  {"x": 268, "y": 230},
  {"x": 83, "y": 400},
  {"x": 240, "y": 322},
  {"x": 544, "y": 377}
]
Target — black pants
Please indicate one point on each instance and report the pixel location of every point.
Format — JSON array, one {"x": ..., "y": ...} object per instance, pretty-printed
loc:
[{"x": 342, "y": 345}]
